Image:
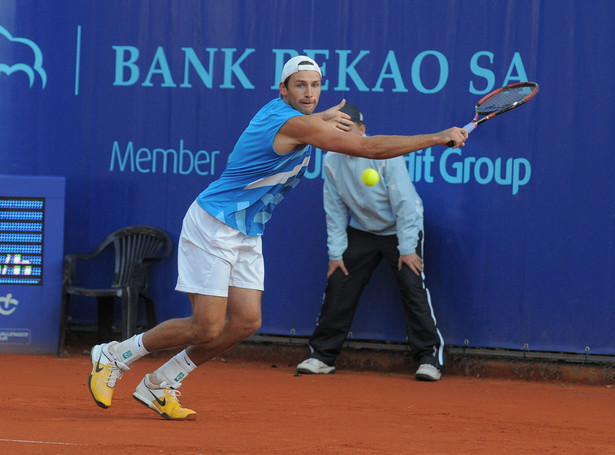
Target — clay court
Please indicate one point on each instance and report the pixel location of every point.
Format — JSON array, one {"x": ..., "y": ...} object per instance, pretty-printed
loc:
[{"x": 259, "y": 407}]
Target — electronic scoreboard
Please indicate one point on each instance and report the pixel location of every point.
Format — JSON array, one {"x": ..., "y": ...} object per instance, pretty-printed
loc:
[{"x": 31, "y": 254}]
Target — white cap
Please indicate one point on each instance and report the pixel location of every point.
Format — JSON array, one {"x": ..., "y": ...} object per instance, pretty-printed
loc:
[{"x": 299, "y": 63}]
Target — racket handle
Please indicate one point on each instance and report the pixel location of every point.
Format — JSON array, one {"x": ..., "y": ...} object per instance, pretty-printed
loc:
[{"x": 469, "y": 127}]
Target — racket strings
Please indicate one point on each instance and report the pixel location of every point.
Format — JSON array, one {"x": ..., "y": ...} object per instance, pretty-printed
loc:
[{"x": 504, "y": 99}]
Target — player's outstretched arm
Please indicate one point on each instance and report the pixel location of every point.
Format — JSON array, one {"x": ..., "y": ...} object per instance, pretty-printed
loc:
[
  {"x": 380, "y": 147},
  {"x": 310, "y": 129}
]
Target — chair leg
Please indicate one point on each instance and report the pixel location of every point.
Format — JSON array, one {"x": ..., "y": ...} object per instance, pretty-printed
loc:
[
  {"x": 105, "y": 318},
  {"x": 150, "y": 311},
  {"x": 130, "y": 306}
]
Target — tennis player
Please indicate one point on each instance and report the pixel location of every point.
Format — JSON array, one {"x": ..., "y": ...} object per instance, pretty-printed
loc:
[{"x": 220, "y": 259}]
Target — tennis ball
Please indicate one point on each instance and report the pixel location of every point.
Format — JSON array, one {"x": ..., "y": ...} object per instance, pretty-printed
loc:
[{"x": 370, "y": 176}]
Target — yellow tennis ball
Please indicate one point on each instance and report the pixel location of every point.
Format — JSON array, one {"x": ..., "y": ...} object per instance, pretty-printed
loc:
[{"x": 370, "y": 176}]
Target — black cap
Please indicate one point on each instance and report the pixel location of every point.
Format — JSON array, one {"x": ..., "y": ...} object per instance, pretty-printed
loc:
[{"x": 353, "y": 111}]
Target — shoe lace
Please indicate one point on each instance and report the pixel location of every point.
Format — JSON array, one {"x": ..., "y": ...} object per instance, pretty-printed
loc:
[
  {"x": 114, "y": 372},
  {"x": 171, "y": 390}
]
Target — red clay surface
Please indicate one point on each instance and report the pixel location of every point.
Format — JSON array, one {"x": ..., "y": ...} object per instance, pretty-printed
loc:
[{"x": 254, "y": 408}]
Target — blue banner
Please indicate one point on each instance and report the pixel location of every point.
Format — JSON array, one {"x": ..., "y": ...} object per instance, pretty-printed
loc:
[{"x": 138, "y": 105}]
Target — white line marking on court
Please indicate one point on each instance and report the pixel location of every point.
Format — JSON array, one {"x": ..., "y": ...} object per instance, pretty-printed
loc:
[{"x": 41, "y": 442}]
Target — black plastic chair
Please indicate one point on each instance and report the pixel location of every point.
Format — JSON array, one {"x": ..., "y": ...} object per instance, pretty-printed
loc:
[{"x": 135, "y": 249}]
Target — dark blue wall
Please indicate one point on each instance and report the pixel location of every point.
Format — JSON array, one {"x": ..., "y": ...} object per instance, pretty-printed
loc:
[{"x": 520, "y": 224}]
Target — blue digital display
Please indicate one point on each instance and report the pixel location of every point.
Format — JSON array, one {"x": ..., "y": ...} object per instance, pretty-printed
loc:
[{"x": 22, "y": 221}]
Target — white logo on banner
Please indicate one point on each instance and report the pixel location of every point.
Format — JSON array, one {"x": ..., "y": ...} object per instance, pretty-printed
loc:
[
  {"x": 8, "y": 304},
  {"x": 24, "y": 56}
]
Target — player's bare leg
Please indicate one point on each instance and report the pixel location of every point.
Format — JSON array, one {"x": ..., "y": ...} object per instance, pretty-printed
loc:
[
  {"x": 217, "y": 325},
  {"x": 243, "y": 318}
]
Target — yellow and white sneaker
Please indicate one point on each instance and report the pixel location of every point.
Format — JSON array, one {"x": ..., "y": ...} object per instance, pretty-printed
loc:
[
  {"x": 106, "y": 371},
  {"x": 163, "y": 399}
]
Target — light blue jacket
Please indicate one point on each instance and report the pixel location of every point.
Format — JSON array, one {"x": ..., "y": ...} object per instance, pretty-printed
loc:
[{"x": 392, "y": 206}]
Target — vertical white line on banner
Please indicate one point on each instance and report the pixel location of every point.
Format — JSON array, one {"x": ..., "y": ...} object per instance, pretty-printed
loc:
[{"x": 78, "y": 60}]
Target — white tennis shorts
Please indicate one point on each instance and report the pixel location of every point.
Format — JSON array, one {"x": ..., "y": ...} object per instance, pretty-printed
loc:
[{"x": 213, "y": 256}]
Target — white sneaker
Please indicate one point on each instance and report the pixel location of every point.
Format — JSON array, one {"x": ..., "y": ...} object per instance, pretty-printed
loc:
[
  {"x": 427, "y": 372},
  {"x": 314, "y": 366},
  {"x": 106, "y": 371},
  {"x": 163, "y": 399}
]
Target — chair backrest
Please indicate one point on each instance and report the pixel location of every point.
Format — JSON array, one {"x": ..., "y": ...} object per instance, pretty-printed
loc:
[{"x": 135, "y": 248}]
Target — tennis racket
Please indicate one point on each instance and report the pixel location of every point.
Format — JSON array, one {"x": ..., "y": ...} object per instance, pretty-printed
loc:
[{"x": 499, "y": 101}]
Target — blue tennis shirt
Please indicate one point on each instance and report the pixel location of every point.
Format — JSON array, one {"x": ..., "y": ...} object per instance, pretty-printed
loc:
[{"x": 256, "y": 177}]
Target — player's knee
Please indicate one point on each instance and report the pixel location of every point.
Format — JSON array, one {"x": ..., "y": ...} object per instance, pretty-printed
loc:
[
  {"x": 246, "y": 326},
  {"x": 251, "y": 325},
  {"x": 205, "y": 333},
  {"x": 254, "y": 325}
]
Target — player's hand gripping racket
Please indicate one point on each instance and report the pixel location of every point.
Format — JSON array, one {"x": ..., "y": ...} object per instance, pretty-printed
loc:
[{"x": 499, "y": 101}]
